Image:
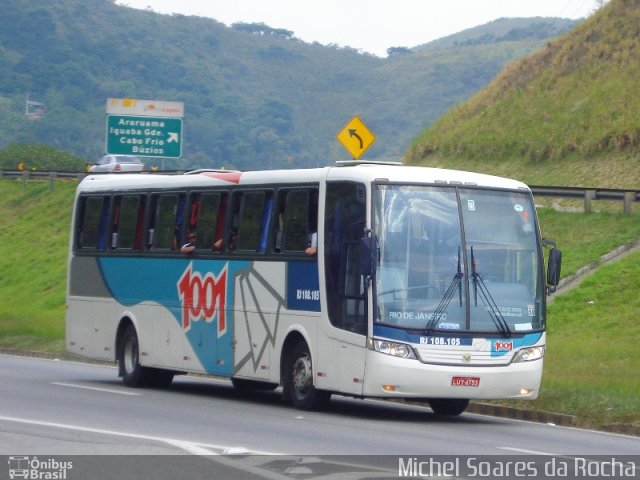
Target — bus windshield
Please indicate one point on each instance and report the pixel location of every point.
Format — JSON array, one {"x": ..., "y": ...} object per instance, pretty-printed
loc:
[{"x": 461, "y": 259}]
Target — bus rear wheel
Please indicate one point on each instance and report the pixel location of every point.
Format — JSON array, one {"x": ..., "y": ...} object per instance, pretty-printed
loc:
[
  {"x": 298, "y": 381},
  {"x": 448, "y": 406},
  {"x": 133, "y": 374}
]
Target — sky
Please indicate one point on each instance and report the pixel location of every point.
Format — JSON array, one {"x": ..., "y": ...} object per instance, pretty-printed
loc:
[{"x": 371, "y": 26}]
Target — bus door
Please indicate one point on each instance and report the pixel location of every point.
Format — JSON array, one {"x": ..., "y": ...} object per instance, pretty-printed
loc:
[{"x": 344, "y": 224}]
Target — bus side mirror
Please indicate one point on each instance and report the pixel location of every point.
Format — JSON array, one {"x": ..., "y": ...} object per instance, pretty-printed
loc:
[
  {"x": 553, "y": 269},
  {"x": 367, "y": 256}
]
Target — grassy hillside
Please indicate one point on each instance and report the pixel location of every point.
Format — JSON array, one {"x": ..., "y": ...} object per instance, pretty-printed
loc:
[
  {"x": 254, "y": 96},
  {"x": 567, "y": 113},
  {"x": 600, "y": 318},
  {"x": 34, "y": 229},
  {"x": 592, "y": 360}
]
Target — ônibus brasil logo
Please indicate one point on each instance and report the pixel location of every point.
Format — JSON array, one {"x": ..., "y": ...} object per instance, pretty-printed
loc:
[{"x": 203, "y": 298}]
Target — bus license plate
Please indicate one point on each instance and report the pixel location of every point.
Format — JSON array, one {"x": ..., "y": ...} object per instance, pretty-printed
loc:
[{"x": 465, "y": 381}]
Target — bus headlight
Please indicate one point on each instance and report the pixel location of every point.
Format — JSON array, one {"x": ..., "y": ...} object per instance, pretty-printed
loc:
[
  {"x": 394, "y": 349},
  {"x": 529, "y": 354}
]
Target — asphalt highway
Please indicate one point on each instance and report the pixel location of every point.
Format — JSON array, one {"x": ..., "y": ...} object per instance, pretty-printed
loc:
[{"x": 60, "y": 408}]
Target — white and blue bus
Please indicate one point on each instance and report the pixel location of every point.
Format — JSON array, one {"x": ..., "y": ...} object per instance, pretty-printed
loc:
[{"x": 422, "y": 283}]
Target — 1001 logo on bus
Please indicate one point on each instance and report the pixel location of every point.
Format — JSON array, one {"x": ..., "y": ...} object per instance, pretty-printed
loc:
[{"x": 203, "y": 298}]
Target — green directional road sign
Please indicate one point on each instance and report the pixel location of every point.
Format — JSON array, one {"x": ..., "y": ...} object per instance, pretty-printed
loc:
[{"x": 144, "y": 136}]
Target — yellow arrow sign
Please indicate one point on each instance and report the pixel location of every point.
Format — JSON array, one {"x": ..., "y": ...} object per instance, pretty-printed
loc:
[{"x": 356, "y": 137}]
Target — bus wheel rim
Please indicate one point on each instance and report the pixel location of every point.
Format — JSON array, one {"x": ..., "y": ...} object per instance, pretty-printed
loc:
[
  {"x": 302, "y": 375},
  {"x": 130, "y": 356}
]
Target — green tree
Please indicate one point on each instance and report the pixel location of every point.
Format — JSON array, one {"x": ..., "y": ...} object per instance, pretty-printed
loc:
[{"x": 39, "y": 157}]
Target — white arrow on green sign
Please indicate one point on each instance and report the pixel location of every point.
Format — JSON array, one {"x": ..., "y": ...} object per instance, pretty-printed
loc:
[{"x": 144, "y": 136}]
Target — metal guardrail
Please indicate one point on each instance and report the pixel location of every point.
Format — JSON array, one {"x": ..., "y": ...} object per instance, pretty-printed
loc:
[
  {"x": 52, "y": 176},
  {"x": 590, "y": 194},
  {"x": 27, "y": 175},
  {"x": 587, "y": 194}
]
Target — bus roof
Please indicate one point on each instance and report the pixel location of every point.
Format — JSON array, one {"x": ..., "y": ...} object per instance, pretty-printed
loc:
[
  {"x": 353, "y": 171},
  {"x": 429, "y": 175}
]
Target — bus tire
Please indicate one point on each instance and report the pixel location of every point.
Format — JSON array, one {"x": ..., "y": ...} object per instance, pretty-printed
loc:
[
  {"x": 298, "y": 380},
  {"x": 133, "y": 374},
  {"x": 448, "y": 406}
]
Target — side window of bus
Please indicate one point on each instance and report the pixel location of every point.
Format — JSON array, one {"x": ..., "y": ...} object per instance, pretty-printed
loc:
[
  {"x": 93, "y": 223},
  {"x": 344, "y": 226},
  {"x": 252, "y": 211},
  {"x": 206, "y": 219},
  {"x": 127, "y": 222},
  {"x": 166, "y": 221},
  {"x": 297, "y": 219}
]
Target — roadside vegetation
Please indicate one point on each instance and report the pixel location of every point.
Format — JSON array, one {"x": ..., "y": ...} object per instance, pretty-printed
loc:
[
  {"x": 39, "y": 157},
  {"x": 34, "y": 230},
  {"x": 592, "y": 360},
  {"x": 565, "y": 115},
  {"x": 591, "y": 364}
]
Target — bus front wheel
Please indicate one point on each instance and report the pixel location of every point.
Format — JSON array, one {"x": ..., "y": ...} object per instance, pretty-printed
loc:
[
  {"x": 298, "y": 380},
  {"x": 448, "y": 406}
]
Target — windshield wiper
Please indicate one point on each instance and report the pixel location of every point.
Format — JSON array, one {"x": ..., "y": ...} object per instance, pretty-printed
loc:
[
  {"x": 456, "y": 283},
  {"x": 487, "y": 299}
]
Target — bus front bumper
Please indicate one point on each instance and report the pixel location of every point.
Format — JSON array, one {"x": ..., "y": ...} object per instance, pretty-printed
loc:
[{"x": 393, "y": 377}]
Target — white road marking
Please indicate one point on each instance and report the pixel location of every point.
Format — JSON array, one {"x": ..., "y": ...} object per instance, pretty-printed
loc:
[
  {"x": 530, "y": 452},
  {"x": 190, "y": 447},
  {"x": 213, "y": 452},
  {"x": 535, "y": 452},
  {"x": 97, "y": 389}
]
